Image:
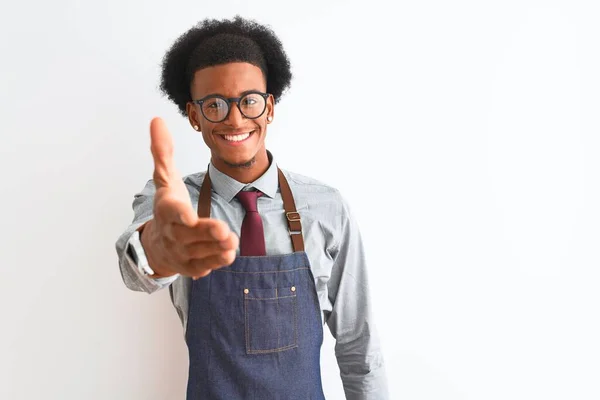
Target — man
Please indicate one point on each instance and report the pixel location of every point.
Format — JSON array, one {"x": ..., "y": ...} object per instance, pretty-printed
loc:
[{"x": 256, "y": 258}]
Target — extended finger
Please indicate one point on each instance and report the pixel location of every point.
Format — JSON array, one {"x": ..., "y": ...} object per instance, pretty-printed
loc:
[
  {"x": 196, "y": 267},
  {"x": 204, "y": 230}
]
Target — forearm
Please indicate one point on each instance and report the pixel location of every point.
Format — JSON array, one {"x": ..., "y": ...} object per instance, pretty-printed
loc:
[
  {"x": 357, "y": 349},
  {"x": 362, "y": 368},
  {"x": 130, "y": 273},
  {"x": 132, "y": 277}
]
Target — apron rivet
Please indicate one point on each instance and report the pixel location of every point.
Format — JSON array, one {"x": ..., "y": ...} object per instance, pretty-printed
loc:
[{"x": 246, "y": 291}]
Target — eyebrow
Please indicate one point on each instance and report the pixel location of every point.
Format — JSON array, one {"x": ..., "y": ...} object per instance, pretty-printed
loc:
[{"x": 241, "y": 95}]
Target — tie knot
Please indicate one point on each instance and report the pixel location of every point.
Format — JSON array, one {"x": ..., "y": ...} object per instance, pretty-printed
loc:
[{"x": 249, "y": 199}]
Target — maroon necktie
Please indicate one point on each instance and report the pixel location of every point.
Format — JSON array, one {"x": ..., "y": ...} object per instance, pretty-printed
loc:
[{"x": 252, "y": 238}]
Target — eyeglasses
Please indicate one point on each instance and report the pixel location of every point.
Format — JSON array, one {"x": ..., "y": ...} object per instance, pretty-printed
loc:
[{"x": 216, "y": 108}]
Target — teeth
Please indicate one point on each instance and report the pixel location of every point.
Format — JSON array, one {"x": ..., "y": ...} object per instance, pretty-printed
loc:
[{"x": 237, "y": 138}]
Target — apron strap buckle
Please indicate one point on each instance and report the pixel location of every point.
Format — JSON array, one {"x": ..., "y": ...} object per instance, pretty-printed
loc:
[{"x": 292, "y": 216}]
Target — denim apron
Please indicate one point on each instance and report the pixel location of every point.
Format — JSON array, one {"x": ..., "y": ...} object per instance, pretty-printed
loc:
[{"x": 254, "y": 328}]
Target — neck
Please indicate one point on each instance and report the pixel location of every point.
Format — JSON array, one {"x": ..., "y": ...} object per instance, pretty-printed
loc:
[{"x": 244, "y": 173}]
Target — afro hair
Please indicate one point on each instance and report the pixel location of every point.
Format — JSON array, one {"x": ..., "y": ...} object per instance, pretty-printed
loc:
[{"x": 215, "y": 42}]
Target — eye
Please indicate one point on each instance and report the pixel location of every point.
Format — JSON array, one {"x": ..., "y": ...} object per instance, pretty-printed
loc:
[
  {"x": 249, "y": 101},
  {"x": 213, "y": 104}
]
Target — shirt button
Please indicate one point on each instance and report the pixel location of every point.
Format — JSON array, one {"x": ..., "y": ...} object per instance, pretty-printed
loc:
[
  {"x": 293, "y": 288},
  {"x": 246, "y": 291}
]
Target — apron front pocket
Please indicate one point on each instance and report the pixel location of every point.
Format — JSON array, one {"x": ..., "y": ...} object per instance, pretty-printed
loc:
[{"x": 271, "y": 319}]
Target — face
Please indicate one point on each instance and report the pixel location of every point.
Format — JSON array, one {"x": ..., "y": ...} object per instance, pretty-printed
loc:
[{"x": 223, "y": 138}]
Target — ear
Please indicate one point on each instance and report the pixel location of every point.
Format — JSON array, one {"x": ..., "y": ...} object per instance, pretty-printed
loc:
[
  {"x": 270, "y": 109},
  {"x": 193, "y": 116}
]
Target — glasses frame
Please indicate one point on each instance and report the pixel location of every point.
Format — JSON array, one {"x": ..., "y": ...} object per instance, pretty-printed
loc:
[{"x": 228, "y": 101}]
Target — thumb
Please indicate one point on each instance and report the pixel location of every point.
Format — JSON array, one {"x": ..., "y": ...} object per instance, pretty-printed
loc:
[{"x": 161, "y": 145}]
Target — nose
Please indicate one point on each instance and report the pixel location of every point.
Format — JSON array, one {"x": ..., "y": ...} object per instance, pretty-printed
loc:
[{"x": 235, "y": 117}]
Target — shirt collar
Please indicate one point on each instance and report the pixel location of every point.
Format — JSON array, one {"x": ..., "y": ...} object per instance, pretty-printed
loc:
[{"x": 227, "y": 187}]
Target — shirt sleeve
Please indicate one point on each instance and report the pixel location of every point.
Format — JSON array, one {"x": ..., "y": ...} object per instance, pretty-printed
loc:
[
  {"x": 130, "y": 273},
  {"x": 357, "y": 347}
]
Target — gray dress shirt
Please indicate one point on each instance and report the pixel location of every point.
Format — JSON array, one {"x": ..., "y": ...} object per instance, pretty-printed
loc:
[{"x": 334, "y": 248}]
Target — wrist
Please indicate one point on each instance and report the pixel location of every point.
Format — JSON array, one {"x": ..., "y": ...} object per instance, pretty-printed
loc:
[{"x": 147, "y": 240}]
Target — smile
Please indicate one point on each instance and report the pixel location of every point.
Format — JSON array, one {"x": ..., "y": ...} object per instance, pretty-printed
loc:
[{"x": 237, "y": 138}]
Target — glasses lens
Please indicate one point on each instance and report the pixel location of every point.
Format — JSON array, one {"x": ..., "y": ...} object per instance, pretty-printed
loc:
[
  {"x": 215, "y": 109},
  {"x": 252, "y": 105}
]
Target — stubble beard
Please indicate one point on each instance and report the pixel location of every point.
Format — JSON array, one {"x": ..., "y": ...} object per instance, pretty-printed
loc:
[{"x": 245, "y": 164}]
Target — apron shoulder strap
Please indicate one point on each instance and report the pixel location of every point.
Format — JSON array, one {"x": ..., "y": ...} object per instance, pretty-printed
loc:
[{"x": 292, "y": 216}]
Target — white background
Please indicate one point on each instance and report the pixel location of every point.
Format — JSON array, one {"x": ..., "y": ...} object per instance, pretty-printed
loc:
[{"x": 464, "y": 134}]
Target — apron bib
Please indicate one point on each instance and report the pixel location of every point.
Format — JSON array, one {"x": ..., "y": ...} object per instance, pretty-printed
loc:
[{"x": 254, "y": 328}]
